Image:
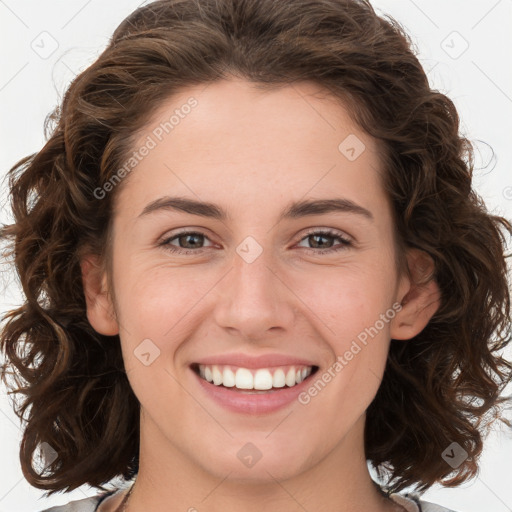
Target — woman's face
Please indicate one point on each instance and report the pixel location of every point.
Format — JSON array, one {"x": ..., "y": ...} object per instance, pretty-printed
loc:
[{"x": 292, "y": 258}]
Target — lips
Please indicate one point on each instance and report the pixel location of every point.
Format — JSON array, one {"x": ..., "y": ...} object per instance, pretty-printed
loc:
[
  {"x": 259, "y": 379},
  {"x": 253, "y": 384},
  {"x": 255, "y": 362}
]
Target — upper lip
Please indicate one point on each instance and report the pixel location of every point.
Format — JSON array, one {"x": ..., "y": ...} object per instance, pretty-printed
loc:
[{"x": 261, "y": 361}]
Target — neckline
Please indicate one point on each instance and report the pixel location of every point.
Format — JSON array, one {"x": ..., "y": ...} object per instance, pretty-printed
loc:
[
  {"x": 408, "y": 503},
  {"x": 106, "y": 495}
]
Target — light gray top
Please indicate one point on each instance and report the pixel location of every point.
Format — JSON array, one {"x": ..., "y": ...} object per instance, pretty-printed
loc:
[{"x": 91, "y": 504}]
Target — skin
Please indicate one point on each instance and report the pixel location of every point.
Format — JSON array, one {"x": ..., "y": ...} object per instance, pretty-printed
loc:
[{"x": 252, "y": 153}]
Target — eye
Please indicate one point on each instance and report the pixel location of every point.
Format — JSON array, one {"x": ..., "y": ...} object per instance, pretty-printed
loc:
[
  {"x": 317, "y": 238},
  {"x": 192, "y": 242},
  {"x": 190, "y": 239}
]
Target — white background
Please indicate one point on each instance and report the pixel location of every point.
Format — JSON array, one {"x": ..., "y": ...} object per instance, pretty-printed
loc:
[{"x": 479, "y": 81}]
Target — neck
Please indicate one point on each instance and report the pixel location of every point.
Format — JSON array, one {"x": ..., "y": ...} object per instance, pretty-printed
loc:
[{"x": 170, "y": 480}]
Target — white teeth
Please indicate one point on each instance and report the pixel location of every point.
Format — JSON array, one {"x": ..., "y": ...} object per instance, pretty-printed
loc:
[
  {"x": 217, "y": 375},
  {"x": 290, "y": 377},
  {"x": 228, "y": 378},
  {"x": 260, "y": 379},
  {"x": 263, "y": 380},
  {"x": 278, "y": 379},
  {"x": 244, "y": 379}
]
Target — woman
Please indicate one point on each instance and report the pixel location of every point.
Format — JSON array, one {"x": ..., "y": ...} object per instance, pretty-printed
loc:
[{"x": 345, "y": 304}]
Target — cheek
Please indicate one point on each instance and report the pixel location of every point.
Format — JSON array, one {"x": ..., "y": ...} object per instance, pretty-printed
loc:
[
  {"x": 154, "y": 301},
  {"x": 155, "y": 305},
  {"x": 348, "y": 300},
  {"x": 354, "y": 311}
]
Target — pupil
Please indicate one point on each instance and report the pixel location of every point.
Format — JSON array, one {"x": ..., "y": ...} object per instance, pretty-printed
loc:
[
  {"x": 319, "y": 236},
  {"x": 189, "y": 236}
]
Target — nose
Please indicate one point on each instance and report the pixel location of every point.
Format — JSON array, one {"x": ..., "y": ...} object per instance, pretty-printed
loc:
[{"x": 254, "y": 298}]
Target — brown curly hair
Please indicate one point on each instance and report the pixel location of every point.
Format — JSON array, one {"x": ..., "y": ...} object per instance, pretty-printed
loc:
[{"x": 442, "y": 387}]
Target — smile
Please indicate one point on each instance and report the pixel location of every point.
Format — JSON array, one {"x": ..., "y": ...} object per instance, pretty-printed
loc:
[{"x": 260, "y": 379}]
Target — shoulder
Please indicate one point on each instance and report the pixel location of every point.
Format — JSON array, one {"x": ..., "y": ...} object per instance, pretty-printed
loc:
[
  {"x": 85, "y": 505},
  {"x": 431, "y": 507},
  {"x": 413, "y": 503}
]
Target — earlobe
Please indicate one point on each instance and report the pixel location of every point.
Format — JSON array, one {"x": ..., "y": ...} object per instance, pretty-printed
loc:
[
  {"x": 419, "y": 295},
  {"x": 100, "y": 310}
]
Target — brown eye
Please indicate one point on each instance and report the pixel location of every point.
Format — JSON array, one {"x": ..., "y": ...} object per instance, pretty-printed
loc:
[
  {"x": 188, "y": 242},
  {"x": 321, "y": 241},
  {"x": 189, "y": 239}
]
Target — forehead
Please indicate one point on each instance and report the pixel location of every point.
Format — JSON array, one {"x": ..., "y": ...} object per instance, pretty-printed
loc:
[{"x": 235, "y": 143}]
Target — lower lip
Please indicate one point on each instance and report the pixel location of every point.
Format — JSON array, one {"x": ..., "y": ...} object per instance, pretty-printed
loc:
[{"x": 241, "y": 402}]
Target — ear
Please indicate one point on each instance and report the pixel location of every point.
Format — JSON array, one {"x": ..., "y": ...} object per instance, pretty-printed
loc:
[
  {"x": 100, "y": 309},
  {"x": 419, "y": 296}
]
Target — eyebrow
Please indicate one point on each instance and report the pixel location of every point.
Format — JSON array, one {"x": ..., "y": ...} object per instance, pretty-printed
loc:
[{"x": 295, "y": 210}]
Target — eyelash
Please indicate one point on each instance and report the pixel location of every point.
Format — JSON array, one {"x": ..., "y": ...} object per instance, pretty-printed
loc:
[{"x": 345, "y": 242}]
